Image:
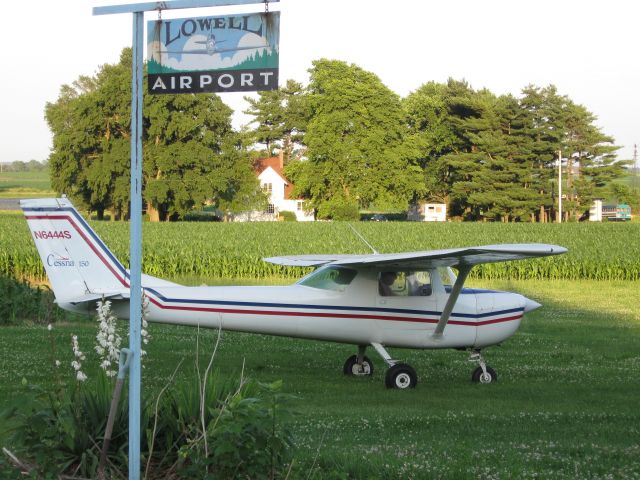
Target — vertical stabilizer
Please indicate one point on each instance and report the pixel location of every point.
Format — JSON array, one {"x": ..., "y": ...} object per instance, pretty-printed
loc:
[{"x": 77, "y": 262}]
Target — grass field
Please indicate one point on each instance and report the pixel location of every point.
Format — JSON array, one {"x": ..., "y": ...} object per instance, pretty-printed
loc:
[
  {"x": 565, "y": 406},
  {"x": 25, "y": 184}
]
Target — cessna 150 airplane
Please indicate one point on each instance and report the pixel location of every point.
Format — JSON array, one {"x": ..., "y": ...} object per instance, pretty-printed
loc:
[
  {"x": 211, "y": 47},
  {"x": 407, "y": 300}
]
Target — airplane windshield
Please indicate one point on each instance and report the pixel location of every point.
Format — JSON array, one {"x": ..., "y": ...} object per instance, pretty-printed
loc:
[{"x": 329, "y": 278}]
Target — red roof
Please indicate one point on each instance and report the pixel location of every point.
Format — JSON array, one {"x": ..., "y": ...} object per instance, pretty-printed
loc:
[{"x": 277, "y": 163}]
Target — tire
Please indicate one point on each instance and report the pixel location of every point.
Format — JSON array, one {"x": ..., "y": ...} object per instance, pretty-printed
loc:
[
  {"x": 478, "y": 377},
  {"x": 351, "y": 367},
  {"x": 401, "y": 376}
]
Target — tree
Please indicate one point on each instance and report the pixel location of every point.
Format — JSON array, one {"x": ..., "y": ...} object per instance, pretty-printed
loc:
[
  {"x": 471, "y": 150},
  {"x": 357, "y": 154},
  {"x": 190, "y": 149},
  {"x": 281, "y": 117},
  {"x": 591, "y": 160},
  {"x": 432, "y": 135},
  {"x": 495, "y": 157}
]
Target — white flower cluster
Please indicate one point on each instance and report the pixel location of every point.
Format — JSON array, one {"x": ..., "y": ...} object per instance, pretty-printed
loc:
[
  {"x": 108, "y": 340},
  {"x": 78, "y": 357},
  {"x": 144, "y": 332}
]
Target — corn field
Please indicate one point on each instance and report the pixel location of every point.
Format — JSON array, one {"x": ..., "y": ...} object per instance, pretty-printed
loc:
[{"x": 598, "y": 251}]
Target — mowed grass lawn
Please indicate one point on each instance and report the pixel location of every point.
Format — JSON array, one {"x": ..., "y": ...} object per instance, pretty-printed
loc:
[{"x": 566, "y": 404}]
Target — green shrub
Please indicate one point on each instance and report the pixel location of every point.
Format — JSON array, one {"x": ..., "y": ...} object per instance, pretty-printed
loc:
[
  {"x": 21, "y": 302},
  {"x": 288, "y": 216},
  {"x": 61, "y": 431}
]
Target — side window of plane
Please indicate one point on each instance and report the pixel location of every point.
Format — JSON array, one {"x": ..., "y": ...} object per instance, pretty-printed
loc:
[
  {"x": 419, "y": 284},
  {"x": 329, "y": 278},
  {"x": 391, "y": 284},
  {"x": 404, "y": 284}
]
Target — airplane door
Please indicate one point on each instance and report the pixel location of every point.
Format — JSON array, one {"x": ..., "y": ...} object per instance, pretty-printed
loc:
[{"x": 407, "y": 295}]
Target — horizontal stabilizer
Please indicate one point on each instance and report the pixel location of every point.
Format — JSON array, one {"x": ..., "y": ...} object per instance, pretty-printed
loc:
[{"x": 91, "y": 297}]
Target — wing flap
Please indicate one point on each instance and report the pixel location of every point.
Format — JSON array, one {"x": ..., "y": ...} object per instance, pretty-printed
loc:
[{"x": 309, "y": 260}]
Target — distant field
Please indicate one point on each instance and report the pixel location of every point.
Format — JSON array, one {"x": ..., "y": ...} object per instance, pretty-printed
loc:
[{"x": 25, "y": 184}]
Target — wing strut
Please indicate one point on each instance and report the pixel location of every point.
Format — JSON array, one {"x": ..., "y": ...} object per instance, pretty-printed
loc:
[{"x": 463, "y": 271}]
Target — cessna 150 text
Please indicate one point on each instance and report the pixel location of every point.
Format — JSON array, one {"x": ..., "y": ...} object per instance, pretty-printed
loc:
[{"x": 407, "y": 300}]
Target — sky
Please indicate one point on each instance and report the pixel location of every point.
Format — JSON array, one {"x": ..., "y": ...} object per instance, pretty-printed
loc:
[{"x": 588, "y": 49}]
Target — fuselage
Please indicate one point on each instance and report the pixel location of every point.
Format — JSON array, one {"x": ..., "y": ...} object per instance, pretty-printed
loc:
[{"x": 355, "y": 313}]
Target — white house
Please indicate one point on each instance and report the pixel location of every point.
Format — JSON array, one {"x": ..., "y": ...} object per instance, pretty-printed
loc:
[{"x": 275, "y": 184}]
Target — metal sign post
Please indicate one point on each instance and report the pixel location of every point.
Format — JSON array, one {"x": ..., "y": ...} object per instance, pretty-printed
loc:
[{"x": 135, "y": 247}]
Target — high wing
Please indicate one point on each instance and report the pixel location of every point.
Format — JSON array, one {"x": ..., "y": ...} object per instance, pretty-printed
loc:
[{"x": 455, "y": 257}]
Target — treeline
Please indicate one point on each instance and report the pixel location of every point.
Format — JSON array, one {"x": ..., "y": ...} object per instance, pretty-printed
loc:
[
  {"x": 352, "y": 143},
  {"x": 20, "y": 166},
  {"x": 349, "y": 143}
]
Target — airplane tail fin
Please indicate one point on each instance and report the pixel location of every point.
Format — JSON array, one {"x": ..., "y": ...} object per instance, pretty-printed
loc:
[{"x": 79, "y": 265}]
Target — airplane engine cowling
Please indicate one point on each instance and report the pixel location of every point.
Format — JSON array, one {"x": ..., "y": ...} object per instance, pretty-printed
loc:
[{"x": 499, "y": 316}]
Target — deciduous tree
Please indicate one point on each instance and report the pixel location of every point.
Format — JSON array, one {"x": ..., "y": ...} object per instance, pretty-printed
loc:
[
  {"x": 357, "y": 153},
  {"x": 191, "y": 153}
]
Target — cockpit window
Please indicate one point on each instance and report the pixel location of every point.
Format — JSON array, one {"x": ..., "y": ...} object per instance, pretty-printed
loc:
[
  {"x": 329, "y": 278},
  {"x": 447, "y": 277},
  {"x": 404, "y": 284}
]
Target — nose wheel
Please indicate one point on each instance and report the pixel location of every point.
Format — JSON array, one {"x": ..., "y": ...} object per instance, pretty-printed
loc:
[{"x": 484, "y": 373}]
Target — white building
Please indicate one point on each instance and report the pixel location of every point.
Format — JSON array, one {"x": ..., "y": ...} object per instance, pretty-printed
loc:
[
  {"x": 595, "y": 212},
  {"x": 428, "y": 212},
  {"x": 275, "y": 184}
]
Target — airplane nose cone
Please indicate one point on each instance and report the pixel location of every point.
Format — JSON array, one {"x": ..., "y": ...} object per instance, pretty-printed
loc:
[{"x": 530, "y": 305}]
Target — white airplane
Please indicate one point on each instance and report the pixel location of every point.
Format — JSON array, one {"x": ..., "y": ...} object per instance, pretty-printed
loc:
[
  {"x": 405, "y": 300},
  {"x": 211, "y": 47}
]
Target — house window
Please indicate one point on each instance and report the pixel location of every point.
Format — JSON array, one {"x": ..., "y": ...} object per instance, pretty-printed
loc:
[
  {"x": 267, "y": 187},
  {"x": 299, "y": 206},
  {"x": 271, "y": 207}
]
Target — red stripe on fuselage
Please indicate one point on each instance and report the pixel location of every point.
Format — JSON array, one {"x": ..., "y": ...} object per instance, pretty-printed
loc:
[{"x": 280, "y": 313}]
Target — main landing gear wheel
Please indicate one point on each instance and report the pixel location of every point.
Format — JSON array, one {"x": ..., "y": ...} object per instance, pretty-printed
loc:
[
  {"x": 401, "y": 376},
  {"x": 351, "y": 366},
  {"x": 478, "y": 376}
]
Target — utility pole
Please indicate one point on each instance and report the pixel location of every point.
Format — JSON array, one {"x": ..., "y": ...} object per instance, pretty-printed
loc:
[{"x": 559, "y": 186}]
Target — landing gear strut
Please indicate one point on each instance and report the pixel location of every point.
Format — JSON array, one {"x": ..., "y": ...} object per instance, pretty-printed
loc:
[
  {"x": 484, "y": 373},
  {"x": 399, "y": 375}
]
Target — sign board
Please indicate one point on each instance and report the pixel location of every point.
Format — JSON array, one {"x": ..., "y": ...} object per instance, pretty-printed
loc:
[{"x": 231, "y": 53}]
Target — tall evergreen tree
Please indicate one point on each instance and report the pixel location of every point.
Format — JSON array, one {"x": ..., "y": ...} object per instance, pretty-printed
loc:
[
  {"x": 281, "y": 117},
  {"x": 494, "y": 157}
]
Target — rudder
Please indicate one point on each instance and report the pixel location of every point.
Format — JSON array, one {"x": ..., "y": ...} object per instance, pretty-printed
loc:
[{"x": 77, "y": 262}]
